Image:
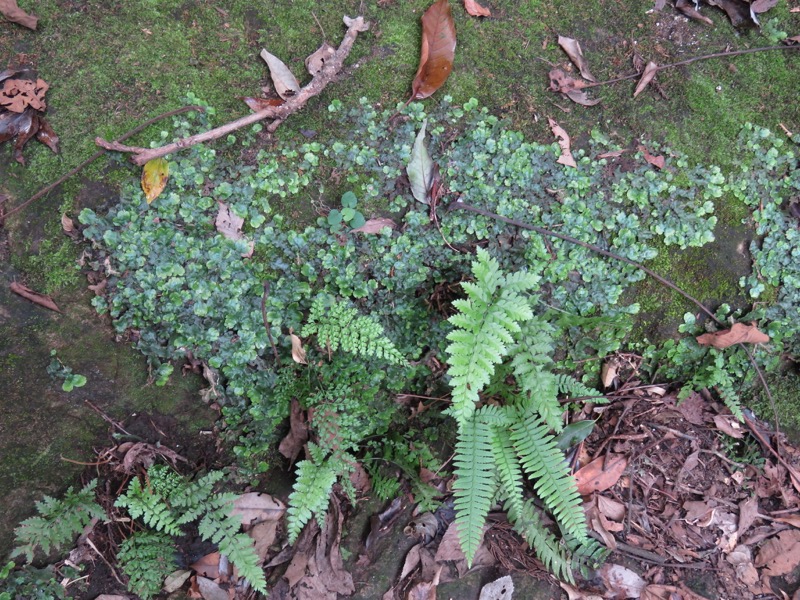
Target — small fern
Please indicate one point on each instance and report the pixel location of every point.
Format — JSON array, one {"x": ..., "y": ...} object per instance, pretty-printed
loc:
[
  {"x": 169, "y": 501},
  {"x": 147, "y": 557},
  {"x": 59, "y": 521},
  {"x": 549, "y": 550},
  {"x": 310, "y": 496},
  {"x": 338, "y": 325}
]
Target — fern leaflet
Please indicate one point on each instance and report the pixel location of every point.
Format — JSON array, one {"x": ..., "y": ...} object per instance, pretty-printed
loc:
[
  {"x": 508, "y": 468},
  {"x": 552, "y": 554},
  {"x": 310, "y": 496},
  {"x": 147, "y": 557}
]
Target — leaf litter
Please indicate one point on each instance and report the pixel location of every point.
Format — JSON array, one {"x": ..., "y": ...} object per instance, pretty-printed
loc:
[{"x": 22, "y": 108}]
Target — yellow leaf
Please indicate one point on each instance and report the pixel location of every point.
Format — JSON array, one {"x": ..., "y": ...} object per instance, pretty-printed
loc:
[{"x": 154, "y": 178}]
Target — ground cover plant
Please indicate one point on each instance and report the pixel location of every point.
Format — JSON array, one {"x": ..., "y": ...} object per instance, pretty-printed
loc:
[{"x": 398, "y": 287}]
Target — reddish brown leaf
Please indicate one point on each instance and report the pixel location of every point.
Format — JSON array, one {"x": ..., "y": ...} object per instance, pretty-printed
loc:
[
  {"x": 31, "y": 127},
  {"x": 656, "y": 161},
  {"x": 207, "y": 566},
  {"x": 47, "y": 136},
  {"x": 438, "y": 50},
  {"x": 738, "y": 334},
  {"x": 689, "y": 10},
  {"x": 781, "y": 554},
  {"x": 12, "y": 12},
  {"x": 255, "y": 507},
  {"x": 259, "y": 104},
  {"x": 573, "y": 49},
  {"x": 649, "y": 72},
  {"x": 375, "y": 226},
  {"x": 600, "y": 474},
  {"x": 476, "y": 10},
  {"x": 570, "y": 87},
  {"x": 35, "y": 297}
]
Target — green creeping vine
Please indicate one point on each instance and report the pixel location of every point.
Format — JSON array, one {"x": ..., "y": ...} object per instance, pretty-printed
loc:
[
  {"x": 497, "y": 444},
  {"x": 167, "y": 503}
]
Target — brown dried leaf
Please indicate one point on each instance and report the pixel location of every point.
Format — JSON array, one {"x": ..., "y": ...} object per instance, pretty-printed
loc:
[
  {"x": 563, "y": 140},
  {"x": 12, "y": 12},
  {"x": 360, "y": 479},
  {"x": 610, "y": 508},
  {"x": 154, "y": 178},
  {"x": 621, "y": 582},
  {"x": 780, "y": 555},
  {"x": 438, "y": 50},
  {"x": 316, "y": 61},
  {"x": 573, "y": 49},
  {"x": 211, "y": 590},
  {"x": 476, "y": 10},
  {"x": 207, "y": 566},
  {"x": 35, "y": 297},
  {"x": 793, "y": 520},
  {"x": 47, "y": 136},
  {"x": 738, "y": 334},
  {"x": 729, "y": 426},
  {"x": 650, "y": 71},
  {"x": 263, "y": 535},
  {"x": 30, "y": 128},
  {"x": 228, "y": 223},
  {"x": 298, "y": 353},
  {"x": 689, "y": 10},
  {"x": 411, "y": 561},
  {"x": 255, "y": 507},
  {"x": 748, "y": 512},
  {"x": 761, "y": 6},
  {"x": 285, "y": 83},
  {"x": 67, "y": 224},
  {"x": 294, "y": 441},
  {"x": 259, "y": 104},
  {"x": 600, "y": 474},
  {"x": 656, "y": 161},
  {"x": 375, "y": 226}
]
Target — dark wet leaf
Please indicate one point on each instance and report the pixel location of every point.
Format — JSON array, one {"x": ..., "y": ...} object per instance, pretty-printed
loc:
[
  {"x": 35, "y": 297},
  {"x": 687, "y": 8},
  {"x": 438, "y": 50},
  {"x": 737, "y": 10},
  {"x": 47, "y": 136}
]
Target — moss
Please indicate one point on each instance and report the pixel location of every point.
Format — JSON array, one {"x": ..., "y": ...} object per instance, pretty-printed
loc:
[{"x": 783, "y": 387}]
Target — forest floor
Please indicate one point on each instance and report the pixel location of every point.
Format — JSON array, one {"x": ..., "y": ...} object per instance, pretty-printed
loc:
[{"x": 684, "y": 508}]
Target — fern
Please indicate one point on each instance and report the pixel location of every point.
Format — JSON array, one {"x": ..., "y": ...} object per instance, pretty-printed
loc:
[
  {"x": 484, "y": 328},
  {"x": 548, "y": 549},
  {"x": 475, "y": 485},
  {"x": 509, "y": 471},
  {"x": 59, "y": 521},
  {"x": 544, "y": 463},
  {"x": 150, "y": 506},
  {"x": 310, "y": 496},
  {"x": 341, "y": 326},
  {"x": 147, "y": 557}
]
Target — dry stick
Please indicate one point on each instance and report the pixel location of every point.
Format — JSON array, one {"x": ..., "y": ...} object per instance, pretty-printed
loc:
[
  {"x": 653, "y": 274},
  {"x": 279, "y": 113},
  {"x": 98, "y": 154},
  {"x": 691, "y": 60}
]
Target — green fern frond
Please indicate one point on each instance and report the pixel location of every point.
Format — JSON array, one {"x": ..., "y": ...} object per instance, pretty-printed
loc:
[
  {"x": 475, "y": 482},
  {"x": 484, "y": 328},
  {"x": 310, "y": 496},
  {"x": 194, "y": 498},
  {"x": 572, "y": 388},
  {"x": 58, "y": 522},
  {"x": 150, "y": 507},
  {"x": 546, "y": 546},
  {"x": 509, "y": 472},
  {"x": 147, "y": 558},
  {"x": 544, "y": 463},
  {"x": 341, "y": 326}
]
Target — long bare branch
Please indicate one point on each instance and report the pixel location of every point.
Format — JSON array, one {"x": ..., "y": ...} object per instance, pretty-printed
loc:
[{"x": 277, "y": 113}]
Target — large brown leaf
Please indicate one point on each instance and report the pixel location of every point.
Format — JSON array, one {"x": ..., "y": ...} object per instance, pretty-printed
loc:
[
  {"x": 438, "y": 50},
  {"x": 738, "y": 334},
  {"x": 476, "y": 10},
  {"x": 12, "y": 12}
]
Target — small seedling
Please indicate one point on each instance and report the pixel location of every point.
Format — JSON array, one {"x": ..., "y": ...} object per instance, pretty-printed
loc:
[
  {"x": 58, "y": 370},
  {"x": 348, "y": 215}
]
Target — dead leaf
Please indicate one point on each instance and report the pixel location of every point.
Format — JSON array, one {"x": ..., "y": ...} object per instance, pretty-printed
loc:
[
  {"x": 574, "y": 593},
  {"x": 690, "y": 11},
  {"x": 263, "y": 535},
  {"x": 657, "y": 161},
  {"x": 298, "y": 353},
  {"x": 111, "y": 597},
  {"x": 420, "y": 168},
  {"x": 316, "y": 61},
  {"x": 738, "y": 334},
  {"x": 762, "y": 6},
  {"x": 285, "y": 83},
  {"x": 438, "y": 50},
  {"x": 17, "y": 95},
  {"x": 426, "y": 590},
  {"x": 67, "y": 224},
  {"x": 611, "y": 154},
  {"x": 793, "y": 520},
  {"x": 259, "y": 104},
  {"x": 499, "y": 589},
  {"x": 255, "y": 507},
  {"x": 35, "y": 297},
  {"x": 207, "y": 566},
  {"x": 748, "y": 512},
  {"x": 742, "y": 560},
  {"x": 293, "y": 443},
  {"x": 600, "y": 474},
  {"x": 650, "y": 71},
  {"x": 175, "y": 580},
  {"x": 375, "y": 226},
  {"x": 563, "y": 141},
  {"x": 211, "y": 590},
  {"x": 12, "y": 12},
  {"x": 154, "y": 178},
  {"x": 476, "y": 10},
  {"x": 573, "y": 50},
  {"x": 411, "y": 561},
  {"x": 570, "y": 87},
  {"x": 780, "y": 555},
  {"x": 728, "y": 425},
  {"x": 424, "y": 527},
  {"x": 608, "y": 373},
  {"x": 621, "y": 581},
  {"x": 229, "y": 224},
  {"x": 360, "y": 479}
]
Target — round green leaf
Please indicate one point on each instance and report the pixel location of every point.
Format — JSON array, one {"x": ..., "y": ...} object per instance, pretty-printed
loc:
[
  {"x": 349, "y": 200},
  {"x": 348, "y": 214},
  {"x": 334, "y": 217},
  {"x": 358, "y": 220}
]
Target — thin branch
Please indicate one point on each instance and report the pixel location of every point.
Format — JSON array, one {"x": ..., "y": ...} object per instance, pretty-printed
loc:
[
  {"x": 584, "y": 86},
  {"x": 46, "y": 190},
  {"x": 278, "y": 113}
]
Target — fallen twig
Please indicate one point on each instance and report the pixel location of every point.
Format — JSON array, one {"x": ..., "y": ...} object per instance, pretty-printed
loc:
[
  {"x": 46, "y": 190},
  {"x": 277, "y": 113},
  {"x": 574, "y": 84}
]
